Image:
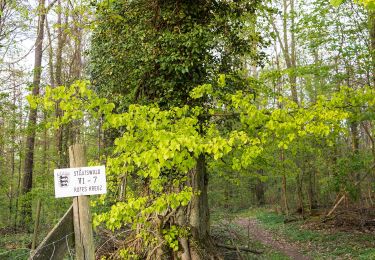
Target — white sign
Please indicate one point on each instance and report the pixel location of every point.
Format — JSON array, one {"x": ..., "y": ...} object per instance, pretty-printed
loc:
[{"x": 72, "y": 182}]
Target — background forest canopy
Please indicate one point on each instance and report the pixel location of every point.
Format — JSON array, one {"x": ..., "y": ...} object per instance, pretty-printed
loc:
[{"x": 195, "y": 107}]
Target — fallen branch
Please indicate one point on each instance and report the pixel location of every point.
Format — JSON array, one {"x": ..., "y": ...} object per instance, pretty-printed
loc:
[
  {"x": 335, "y": 206},
  {"x": 245, "y": 249},
  {"x": 355, "y": 185}
]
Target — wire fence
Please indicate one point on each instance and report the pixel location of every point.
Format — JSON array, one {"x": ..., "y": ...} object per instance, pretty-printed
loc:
[{"x": 10, "y": 253}]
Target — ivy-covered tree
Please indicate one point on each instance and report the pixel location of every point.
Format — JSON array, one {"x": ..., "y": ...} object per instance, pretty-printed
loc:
[
  {"x": 150, "y": 51},
  {"x": 158, "y": 51}
]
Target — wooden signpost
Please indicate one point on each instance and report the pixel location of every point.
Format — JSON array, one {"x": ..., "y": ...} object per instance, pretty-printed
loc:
[
  {"x": 78, "y": 182},
  {"x": 83, "y": 236}
]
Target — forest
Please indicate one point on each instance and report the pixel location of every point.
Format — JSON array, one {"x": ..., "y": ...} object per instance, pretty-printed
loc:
[{"x": 229, "y": 129}]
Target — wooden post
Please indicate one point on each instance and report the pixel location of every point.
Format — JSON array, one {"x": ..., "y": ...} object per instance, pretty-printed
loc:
[
  {"x": 83, "y": 235},
  {"x": 36, "y": 227}
]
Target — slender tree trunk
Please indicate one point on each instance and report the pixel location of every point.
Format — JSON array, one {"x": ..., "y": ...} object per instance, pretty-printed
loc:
[
  {"x": 367, "y": 126},
  {"x": 75, "y": 70},
  {"x": 259, "y": 191},
  {"x": 226, "y": 195},
  {"x": 311, "y": 191},
  {"x": 61, "y": 39},
  {"x": 299, "y": 181},
  {"x": 284, "y": 187},
  {"x": 372, "y": 42},
  {"x": 289, "y": 53},
  {"x": 30, "y": 140},
  {"x": 50, "y": 56},
  {"x": 76, "y": 67},
  {"x": 293, "y": 60},
  {"x": 285, "y": 198},
  {"x": 355, "y": 150},
  {"x": 12, "y": 155},
  {"x": 19, "y": 168},
  {"x": 2, "y": 141}
]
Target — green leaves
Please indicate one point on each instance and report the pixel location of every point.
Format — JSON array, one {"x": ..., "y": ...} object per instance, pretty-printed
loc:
[
  {"x": 336, "y": 3},
  {"x": 370, "y": 4},
  {"x": 159, "y": 147},
  {"x": 201, "y": 90}
]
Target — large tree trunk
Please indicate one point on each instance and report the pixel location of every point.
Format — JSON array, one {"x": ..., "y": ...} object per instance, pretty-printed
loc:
[
  {"x": 196, "y": 217},
  {"x": 199, "y": 216},
  {"x": 30, "y": 140}
]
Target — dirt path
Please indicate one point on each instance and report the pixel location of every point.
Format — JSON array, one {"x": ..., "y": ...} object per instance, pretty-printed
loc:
[{"x": 267, "y": 238}]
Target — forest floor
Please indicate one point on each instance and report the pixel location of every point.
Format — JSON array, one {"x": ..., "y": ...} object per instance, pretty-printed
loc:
[
  {"x": 348, "y": 234},
  {"x": 345, "y": 236}
]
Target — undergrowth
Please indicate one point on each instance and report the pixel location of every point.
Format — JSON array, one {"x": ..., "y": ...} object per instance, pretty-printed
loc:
[
  {"x": 320, "y": 244},
  {"x": 15, "y": 246}
]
